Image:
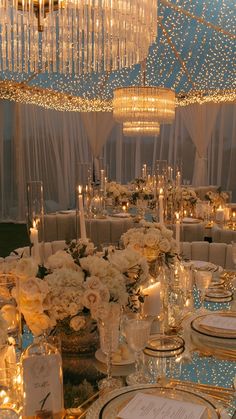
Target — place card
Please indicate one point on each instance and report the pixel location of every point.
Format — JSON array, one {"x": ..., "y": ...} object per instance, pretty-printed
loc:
[
  {"x": 220, "y": 322},
  {"x": 147, "y": 406}
]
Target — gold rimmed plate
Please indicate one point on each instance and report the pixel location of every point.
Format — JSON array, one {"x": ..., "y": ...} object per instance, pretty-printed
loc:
[
  {"x": 164, "y": 346},
  {"x": 218, "y": 295},
  {"x": 109, "y": 406},
  {"x": 205, "y": 325}
]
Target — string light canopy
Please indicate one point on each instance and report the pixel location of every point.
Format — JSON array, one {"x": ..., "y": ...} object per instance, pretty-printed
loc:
[{"x": 75, "y": 36}]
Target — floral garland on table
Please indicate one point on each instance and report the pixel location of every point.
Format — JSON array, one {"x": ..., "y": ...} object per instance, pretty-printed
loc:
[
  {"x": 151, "y": 240},
  {"x": 77, "y": 282},
  {"x": 217, "y": 198}
]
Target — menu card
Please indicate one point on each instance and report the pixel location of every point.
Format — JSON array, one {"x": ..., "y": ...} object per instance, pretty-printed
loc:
[
  {"x": 147, "y": 406},
  {"x": 220, "y": 322}
]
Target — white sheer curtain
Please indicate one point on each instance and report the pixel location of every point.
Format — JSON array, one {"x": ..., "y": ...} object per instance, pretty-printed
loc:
[
  {"x": 98, "y": 126},
  {"x": 200, "y": 121},
  {"x": 39, "y": 144}
]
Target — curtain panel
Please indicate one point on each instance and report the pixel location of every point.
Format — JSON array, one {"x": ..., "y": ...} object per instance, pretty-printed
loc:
[{"x": 39, "y": 144}]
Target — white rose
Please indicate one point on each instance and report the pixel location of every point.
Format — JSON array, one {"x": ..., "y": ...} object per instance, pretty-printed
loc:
[
  {"x": 164, "y": 245},
  {"x": 91, "y": 298},
  {"x": 93, "y": 282},
  {"x": 26, "y": 267},
  {"x": 77, "y": 323},
  {"x": 37, "y": 322},
  {"x": 61, "y": 259}
]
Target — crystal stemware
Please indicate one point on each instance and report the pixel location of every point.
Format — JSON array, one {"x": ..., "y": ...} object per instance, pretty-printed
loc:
[
  {"x": 202, "y": 282},
  {"x": 234, "y": 254},
  {"x": 109, "y": 340},
  {"x": 137, "y": 332}
]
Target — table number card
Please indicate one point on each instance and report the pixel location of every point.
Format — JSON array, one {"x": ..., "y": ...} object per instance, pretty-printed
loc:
[
  {"x": 42, "y": 385},
  {"x": 146, "y": 406}
]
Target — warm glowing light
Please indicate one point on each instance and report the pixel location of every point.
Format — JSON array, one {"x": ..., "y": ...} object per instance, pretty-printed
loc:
[
  {"x": 144, "y": 103},
  {"x": 74, "y": 36}
]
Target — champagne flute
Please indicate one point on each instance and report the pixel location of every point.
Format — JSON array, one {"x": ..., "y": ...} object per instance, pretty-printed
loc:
[
  {"x": 137, "y": 332},
  {"x": 109, "y": 340},
  {"x": 202, "y": 282},
  {"x": 234, "y": 254}
]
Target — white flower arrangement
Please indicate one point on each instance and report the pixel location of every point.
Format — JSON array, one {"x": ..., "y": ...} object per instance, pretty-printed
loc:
[
  {"x": 151, "y": 240},
  {"x": 116, "y": 191},
  {"x": 74, "y": 287},
  {"x": 217, "y": 198},
  {"x": 189, "y": 195}
]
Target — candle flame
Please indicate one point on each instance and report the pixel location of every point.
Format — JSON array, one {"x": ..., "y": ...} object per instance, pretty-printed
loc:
[
  {"x": 161, "y": 191},
  {"x": 80, "y": 189},
  {"x": 177, "y": 215},
  {"x": 34, "y": 224}
]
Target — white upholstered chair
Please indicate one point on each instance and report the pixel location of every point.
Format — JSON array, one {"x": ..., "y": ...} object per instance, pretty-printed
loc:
[{"x": 218, "y": 253}]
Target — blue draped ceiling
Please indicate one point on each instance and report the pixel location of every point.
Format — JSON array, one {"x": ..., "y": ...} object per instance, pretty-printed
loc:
[{"x": 183, "y": 35}]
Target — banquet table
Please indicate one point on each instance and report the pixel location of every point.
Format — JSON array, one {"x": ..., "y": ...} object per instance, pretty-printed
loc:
[
  {"x": 62, "y": 226},
  {"x": 199, "y": 368}
]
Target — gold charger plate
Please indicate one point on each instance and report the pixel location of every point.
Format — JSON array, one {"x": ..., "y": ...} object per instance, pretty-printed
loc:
[
  {"x": 214, "y": 332},
  {"x": 109, "y": 406}
]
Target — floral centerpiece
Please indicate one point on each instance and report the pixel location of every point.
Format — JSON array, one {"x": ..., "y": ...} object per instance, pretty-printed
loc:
[
  {"x": 141, "y": 191},
  {"x": 151, "y": 240},
  {"x": 116, "y": 191},
  {"x": 189, "y": 198},
  {"x": 76, "y": 288},
  {"x": 217, "y": 198}
]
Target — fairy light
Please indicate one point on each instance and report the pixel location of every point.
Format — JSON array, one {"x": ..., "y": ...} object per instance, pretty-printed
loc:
[
  {"x": 51, "y": 99},
  {"x": 207, "y": 53}
]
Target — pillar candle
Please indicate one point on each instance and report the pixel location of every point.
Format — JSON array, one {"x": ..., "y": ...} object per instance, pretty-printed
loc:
[
  {"x": 81, "y": 213},
  {"x": 102, "y": 180},
  {"x": 178, "y": 177},
  {"x": 152, "y": 300},
  {"x": 177, "y": 232},
  {"x": 34, "y": 238},
  {"x": 220, "y": 215},
  {"x": 105, "y": 186},
  {"x": 161, "y": 211}
]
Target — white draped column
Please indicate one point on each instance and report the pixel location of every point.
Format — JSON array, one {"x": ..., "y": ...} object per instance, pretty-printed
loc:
[
  {"x": 199, "y": 121},
  {"x": 98, "y": 126}
]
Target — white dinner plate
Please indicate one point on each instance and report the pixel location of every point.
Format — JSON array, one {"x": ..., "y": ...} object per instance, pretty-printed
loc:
[
  {"x": 100, "y": 356},
  {"x": 121, "y": 215},
  {"x": 201, "y": 265},
  {"x": 188, "y": 220},
  {"x": 109, "y": 406}
]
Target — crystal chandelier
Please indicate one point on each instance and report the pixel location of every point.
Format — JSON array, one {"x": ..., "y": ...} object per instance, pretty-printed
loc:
[
  {"x": 135, "y": 129},
  {"x": 141, "y": 109},
  {"x": 75, "y": 36}
]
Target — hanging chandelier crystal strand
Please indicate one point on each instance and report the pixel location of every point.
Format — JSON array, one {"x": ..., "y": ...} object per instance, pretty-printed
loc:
[
  {"x": 136, "y": 129},
  {"x": 75, "y": 36},
  {"x": 141, "y": 109}
]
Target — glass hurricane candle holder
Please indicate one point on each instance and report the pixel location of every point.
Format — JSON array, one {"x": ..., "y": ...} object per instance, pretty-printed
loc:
[{"x": 35, "y": 218}]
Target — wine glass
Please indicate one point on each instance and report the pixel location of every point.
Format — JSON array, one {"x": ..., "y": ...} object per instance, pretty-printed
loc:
[
  {"x": 137, "y": 332},
  {"x": 202, "y": 282},
  {"x": 234, "y": 254},
  {"x": 109, "y": 340}
]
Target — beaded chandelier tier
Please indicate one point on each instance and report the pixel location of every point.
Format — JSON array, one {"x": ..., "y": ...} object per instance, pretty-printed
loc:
[
  {"x": 142, "y": 109},
  {"x": 75, "y": 36}
]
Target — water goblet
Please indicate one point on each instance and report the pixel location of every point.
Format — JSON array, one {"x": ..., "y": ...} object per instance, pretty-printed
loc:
[
  {"x": 202, "y": 282},
  {"x": 137, "y": 332}
]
